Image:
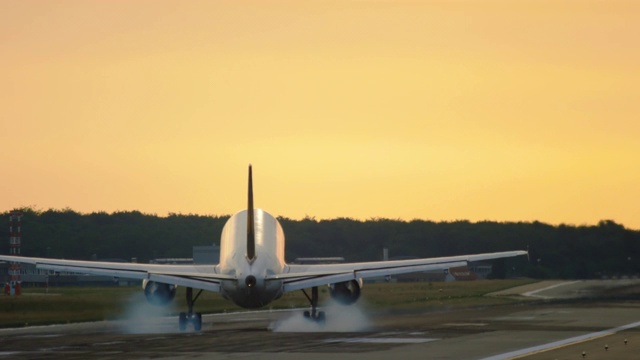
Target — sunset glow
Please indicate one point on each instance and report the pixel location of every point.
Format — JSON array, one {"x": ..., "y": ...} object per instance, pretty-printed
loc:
[{"x": 439, "y": 110}]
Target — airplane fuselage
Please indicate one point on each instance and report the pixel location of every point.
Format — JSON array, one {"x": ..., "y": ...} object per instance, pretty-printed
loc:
[{"x": 250, "y": 290}]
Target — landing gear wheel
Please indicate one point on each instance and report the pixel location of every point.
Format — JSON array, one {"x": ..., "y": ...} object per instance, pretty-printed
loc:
[
  {"x": 196, "y": 320},
  {"x": 190, "y": 317},
  {"x": 314, "y": 314},
  {"x": 193, "y": 319},
  {"x": 182, "y": 321}
]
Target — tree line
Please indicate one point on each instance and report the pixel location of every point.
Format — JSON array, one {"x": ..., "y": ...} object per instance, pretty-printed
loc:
[{"x": 562, "y": 251}]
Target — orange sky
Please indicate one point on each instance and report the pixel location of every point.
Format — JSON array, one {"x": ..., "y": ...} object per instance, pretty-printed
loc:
[{"x": 442, "y": 110}]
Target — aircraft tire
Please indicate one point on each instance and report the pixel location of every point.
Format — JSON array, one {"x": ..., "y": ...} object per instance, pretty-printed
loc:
[
  {"x": 197, "y": 321},
  {"x": 182, "y": 321}
]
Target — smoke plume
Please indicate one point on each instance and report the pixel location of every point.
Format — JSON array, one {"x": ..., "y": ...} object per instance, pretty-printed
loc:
[{"x": 339, "y": 318}]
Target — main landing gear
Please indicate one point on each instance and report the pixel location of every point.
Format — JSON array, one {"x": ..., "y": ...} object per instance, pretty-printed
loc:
[
  {"x": 314, "y": 314},
  {"x": 190, "y": 317}
]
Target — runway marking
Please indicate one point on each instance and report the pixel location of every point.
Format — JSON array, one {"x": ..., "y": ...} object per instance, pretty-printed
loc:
[
  {"x": 40, "y": 336},
  {"x": 562, "y": 343},
  {"x": 108, "y": 343},
  {"x": 515, "y": 318},
  {"x": 156, "y": 338},
  {"x": 381, "y": 340},
  {"x": 265, "y": 311},
  {"x": 534, "y": 292}
]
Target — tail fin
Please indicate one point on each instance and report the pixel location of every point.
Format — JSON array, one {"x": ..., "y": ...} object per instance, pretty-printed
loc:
[{"x": 251, "y": 236}]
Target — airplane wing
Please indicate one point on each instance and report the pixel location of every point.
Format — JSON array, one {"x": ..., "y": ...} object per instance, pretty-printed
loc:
[
  {"x": 196, "y": 276},
  {"x": 297, "y": 277},
  {"x": 305, "y": 276}
]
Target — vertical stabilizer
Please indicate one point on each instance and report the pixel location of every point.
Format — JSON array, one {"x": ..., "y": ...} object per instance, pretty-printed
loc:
[{"x": 251, "y": 235}]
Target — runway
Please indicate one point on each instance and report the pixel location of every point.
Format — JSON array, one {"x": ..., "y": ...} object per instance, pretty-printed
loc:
[{"x": 527, "y": 330}]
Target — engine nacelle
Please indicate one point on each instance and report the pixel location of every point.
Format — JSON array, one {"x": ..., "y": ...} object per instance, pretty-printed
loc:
[
  {"x": 159, "y": 294},
  {"x": 347, "y": 292}
]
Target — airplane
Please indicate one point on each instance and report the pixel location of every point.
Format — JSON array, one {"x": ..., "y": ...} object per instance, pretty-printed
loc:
[{"x": 252, "y": 271}]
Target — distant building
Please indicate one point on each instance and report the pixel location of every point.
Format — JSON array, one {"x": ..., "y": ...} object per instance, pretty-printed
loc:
[
  {"x": 206, "y": 254},
  {"x": 172, "y": 261},
  {"x": 319, "y": 260},
  {"x": 482, "y": 270},
  {"x": 461, "y": 273},
  {"x": 202, "y": 255}
]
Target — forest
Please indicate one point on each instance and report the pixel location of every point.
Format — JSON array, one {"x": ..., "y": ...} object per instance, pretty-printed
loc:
[{"x": 556, "y": 251}]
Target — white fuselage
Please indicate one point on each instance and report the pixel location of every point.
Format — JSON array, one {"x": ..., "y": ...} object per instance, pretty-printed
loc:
[{"x": 250, "y": 290}]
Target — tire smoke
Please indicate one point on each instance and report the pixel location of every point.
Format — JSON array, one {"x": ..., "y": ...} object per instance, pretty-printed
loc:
[
  {"x": 141, "y": 317},
  {"x": 339, "y": 318}
]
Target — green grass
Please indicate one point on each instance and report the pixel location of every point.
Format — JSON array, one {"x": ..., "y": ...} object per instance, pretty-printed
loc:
[
  {"x": 78, "y": 304},
  {"x": 61, "y": 305},
  {"x": 438, "y": 294}
]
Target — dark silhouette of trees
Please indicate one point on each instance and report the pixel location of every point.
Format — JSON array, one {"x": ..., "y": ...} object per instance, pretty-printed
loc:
[{"x": 563, "y": 251}]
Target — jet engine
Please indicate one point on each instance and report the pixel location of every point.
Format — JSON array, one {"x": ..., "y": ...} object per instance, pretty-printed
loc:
[
  {"x": 158, "y": 293},
  {"x": 347, "y": 292}
]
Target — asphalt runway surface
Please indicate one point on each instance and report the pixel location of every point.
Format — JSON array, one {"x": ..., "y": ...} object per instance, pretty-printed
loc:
[{"x": 539, "y": 329}]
